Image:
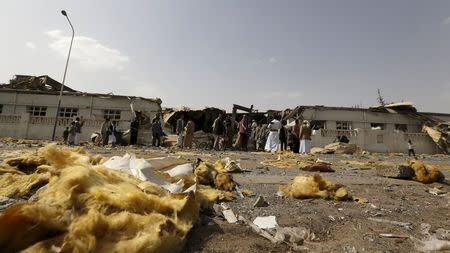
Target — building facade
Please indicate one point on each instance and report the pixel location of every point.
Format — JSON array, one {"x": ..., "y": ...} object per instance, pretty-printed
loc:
[
  {"x": 31, "y": 113},
  {"x": 372, "y": 130}
]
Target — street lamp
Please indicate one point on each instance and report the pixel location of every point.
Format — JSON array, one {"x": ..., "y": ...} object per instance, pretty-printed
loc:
[{"x": 64, "y": 13}]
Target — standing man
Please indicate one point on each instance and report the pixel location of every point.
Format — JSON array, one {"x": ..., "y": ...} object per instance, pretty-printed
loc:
[
  {"x": 105, "y": 131},
  {"x": 218, "y": 131},
  {"x": 179, "y": 131},
  {"x": 156, "y": 132},
  {"x": 273, "y": 140},
  {"x": 305, "y": 137},
  {"x": 66, "y": 135},
  {"x": 134, "y": 128},
  {"x": 189, "y": 134},
  {"x": 283, "y": 135},
  {"x": 411, "y": 149},
  {"x": 295, "y": 137},
  {"x": 229, "y": 132},
  {"x": 242, "y": 141},
  {"x": 78, "y": 125}
]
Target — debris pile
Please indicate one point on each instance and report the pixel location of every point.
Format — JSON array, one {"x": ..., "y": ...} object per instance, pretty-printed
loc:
[
  {"x": 426, "y": 174},
  {"x": 314, "y": 186},
  {"x": 75, "y": 201},
  {"x": 335, "y": 148}
]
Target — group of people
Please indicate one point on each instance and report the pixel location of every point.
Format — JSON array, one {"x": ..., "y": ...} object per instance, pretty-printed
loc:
[
  {"x": 230, "y": 134},
  {"x": 109, "y": 132},
  {"x": 72, "y": 133},
  {"x": 279, "y": 133}
]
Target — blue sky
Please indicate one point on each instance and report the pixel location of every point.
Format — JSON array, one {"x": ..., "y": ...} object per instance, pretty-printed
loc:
[{"x": 273, "y": 54}]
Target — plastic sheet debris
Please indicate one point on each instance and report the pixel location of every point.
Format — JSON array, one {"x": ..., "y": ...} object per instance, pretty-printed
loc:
[
  {"x": 227, "y": 165},
  {"x": 314, "y": 187},
  {"x": 260, "y": 202},
  {"x": 266, "y": 222},
  {"x": 226, "y": 212},
  {"x": 406, "y": 225},
  {"x": 181, "y": 170}
]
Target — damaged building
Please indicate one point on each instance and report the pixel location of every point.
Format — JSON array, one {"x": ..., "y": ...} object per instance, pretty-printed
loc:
[
  {"x": 377, "y": 129},
  {"x": 28, "y": 109}
]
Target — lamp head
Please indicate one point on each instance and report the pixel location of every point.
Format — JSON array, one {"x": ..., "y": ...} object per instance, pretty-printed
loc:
[{"x": 64, "y": 13}]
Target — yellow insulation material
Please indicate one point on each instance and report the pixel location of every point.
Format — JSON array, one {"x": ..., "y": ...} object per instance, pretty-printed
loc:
[
  {"x": 314, "y": 186},
  {"x": 88, "y": 208},
  {"x": 425, "y": 174}
]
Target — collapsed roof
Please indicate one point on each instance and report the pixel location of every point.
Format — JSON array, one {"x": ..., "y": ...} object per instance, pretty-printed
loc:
[
  {"x": 39, "y": 83},
  {"x": 46, "y": 85}
]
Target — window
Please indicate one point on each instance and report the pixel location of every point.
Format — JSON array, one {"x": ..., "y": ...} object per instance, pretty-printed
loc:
[
  {"x": 112, "y": 114},
  {"x": 343, "y": 125},
  {"x": 37, "y": 110},
  {"x": 377, "y": 126},
  {"x": 318, "y": 124},
  {"x": 401, "y": 127},
  {"x": 379, "y": 138},
  {"x": 68, "y": 112},
  {"x": 1, "y": 109}
]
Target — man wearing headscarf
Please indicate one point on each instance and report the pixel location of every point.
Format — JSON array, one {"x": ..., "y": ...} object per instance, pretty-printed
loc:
[
  {"x": 305, "y": 137},
  {"x": 273, "y": 140}
]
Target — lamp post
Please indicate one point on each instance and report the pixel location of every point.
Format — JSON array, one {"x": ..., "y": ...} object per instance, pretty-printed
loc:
[{"x": 64, "y": 13}]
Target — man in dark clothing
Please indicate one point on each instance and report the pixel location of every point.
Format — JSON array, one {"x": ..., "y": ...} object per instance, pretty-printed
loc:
[
  {"x": 156, "y": 132},
  {"x": 134, "y": 127},
  {"x": 229, "y": 132},
  {"x": 283, "y": 136},
  {"x": 218, "y": 131},
  {"x": 66, "y": 135},
  {"x": 295, "y": 137}
]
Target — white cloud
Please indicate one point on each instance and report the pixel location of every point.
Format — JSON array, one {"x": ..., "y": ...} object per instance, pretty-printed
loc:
[
  {"x": 30, "y": 45},
  {"x": 90, "y": 53},
  {"x": 446, "y": 21},
  {"x": 272, "y": 60}
]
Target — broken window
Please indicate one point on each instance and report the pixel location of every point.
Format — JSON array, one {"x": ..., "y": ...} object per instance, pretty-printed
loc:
[
  {"x": 401, "y": 127},
  {"x": 343, "y": 125},
  {"x": 318, "y": 124},
  {"x": 68, "y": 112},
  {"x": 377, "y": 126},
  {"x": 112, "y": 114},
  {"x": 40, "y": 111}
]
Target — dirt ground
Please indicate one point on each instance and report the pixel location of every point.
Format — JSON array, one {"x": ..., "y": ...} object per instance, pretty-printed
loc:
[{"x": 340, "y": 226}]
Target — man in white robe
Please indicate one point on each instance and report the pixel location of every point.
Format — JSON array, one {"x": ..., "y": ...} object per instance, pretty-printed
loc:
[{"x": 273, "y": 140}]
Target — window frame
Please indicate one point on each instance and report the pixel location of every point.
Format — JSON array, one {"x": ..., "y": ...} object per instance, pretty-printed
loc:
[
  {"x": 113, "y": 114},
  {"x": 375, "y": 125},
  {"x": 41, "y": 112},
  {"x": 401, "y": 127},
  {"x": 340, "y": 125},
  {"x": 315, "y": 123},
  {"x": 64, "y": 112}
]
